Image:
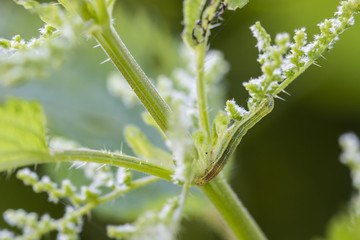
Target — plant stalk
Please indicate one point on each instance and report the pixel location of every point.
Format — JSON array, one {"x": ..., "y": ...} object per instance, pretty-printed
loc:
[
  {"x": 201, "y": 89},
  {"x": 113, "y": 159},
  {"x": 232, "y": 210},
  {"x": 139, "y": 82}
]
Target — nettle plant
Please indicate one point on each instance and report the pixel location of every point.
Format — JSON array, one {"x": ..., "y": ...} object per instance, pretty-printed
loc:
[{"x": 198, "y": 147}]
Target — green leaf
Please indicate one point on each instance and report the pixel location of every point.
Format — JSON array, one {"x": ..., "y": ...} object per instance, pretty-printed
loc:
[
  {"x": 344, "y": 226},
  {"x": 143, "y": 148},
  {"x": 219, "y": 127},
  {"x": 192, "y": 13},
  {"x": 49, "y": 13},
  {"x": 235, "y": 4},
  {"x": 22, "y": 134},
  {"x": 149, "y": 120}
]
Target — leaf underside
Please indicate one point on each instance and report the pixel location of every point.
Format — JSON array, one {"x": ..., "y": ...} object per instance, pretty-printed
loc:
[{"x": 22, "y": 134}]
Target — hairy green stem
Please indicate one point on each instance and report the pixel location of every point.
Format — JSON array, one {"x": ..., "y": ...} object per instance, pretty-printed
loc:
[
  {"x": 113, "y": 159},
  {"x": 287, "y": 81},
  {"x": 201, "y": 89},
  {"x": 232, "y": 210},
  {"x": 116, "y": 50},
  {"x": 27, "y": 158},
  {"x": 126, "y": 64}
]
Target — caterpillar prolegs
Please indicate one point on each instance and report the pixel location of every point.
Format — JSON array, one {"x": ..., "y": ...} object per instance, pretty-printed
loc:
[{"x": 231, "y": 140}]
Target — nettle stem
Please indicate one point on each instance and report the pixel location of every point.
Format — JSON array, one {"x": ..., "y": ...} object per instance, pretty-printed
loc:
[
  {"x": 201, "y": 89},
  {"x": 232, "y": 210},
  {"x": 112, "y": 159},
  {"x": 218, "y": 191},
  {"x": 134, "y": 75}
]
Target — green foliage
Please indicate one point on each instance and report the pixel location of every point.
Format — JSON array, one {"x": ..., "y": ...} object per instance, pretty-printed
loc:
[
  {"x": 199, "y": 145},
  {"x": 235, "y": 4},
  {"x": 201, "y": 16},
  {"x": 151, "y": 225},
  {"x": 271, "y": 59},
  {"x": 279, "y": 67},
  {"x": 25, "y": 119},
  {"x": 22, "y": 60},
  {"x": 219, "y": 127},
  {"x": 346, "y": 225},
  {"x": 234, "y": 111},
  {"x": 104, "y": 186},
  {"x": 192, "y": 12},
  {"x": 142, "y": 147}
]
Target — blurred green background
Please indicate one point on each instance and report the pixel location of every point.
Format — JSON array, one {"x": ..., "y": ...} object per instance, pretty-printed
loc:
[{"x": 287, "y": 170}]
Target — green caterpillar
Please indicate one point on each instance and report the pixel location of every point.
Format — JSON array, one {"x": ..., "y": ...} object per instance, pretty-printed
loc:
[{"x": 232, "y": 138}]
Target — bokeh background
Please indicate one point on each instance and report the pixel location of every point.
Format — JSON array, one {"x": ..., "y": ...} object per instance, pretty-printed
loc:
[{"x": 286, "y": 171}]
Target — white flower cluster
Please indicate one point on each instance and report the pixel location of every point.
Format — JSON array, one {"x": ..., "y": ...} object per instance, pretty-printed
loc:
[
  {"x": 22, "y": 60},
  {"x": 70, "y": 225},
  {"x": 180, "y": 87},
  {"x": 151, "y": 225},
  {"x": 234, "y": 111},
  {"x": 67, "y": 189},
  {"x": 33, "y": 226},
  {"x": 179, "y": 141},
  {"x": 271, "y": 58},
  {"x": 30, "y": 223},
  {"x": 281, "y": 66},
  {"x": 350, "y": 156}
]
